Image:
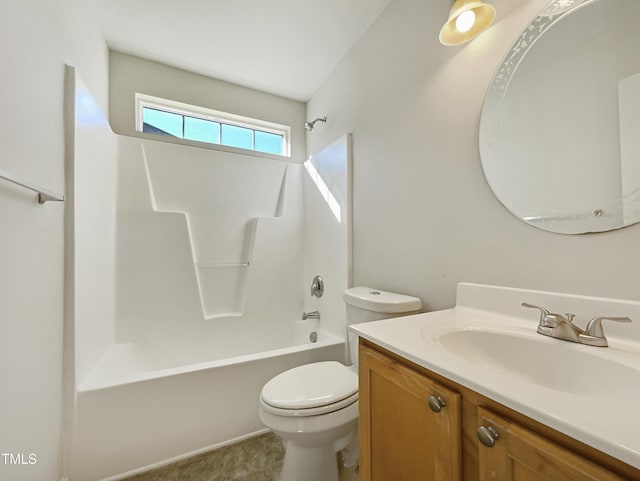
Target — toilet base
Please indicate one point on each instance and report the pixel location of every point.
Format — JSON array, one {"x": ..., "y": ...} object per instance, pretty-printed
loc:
[
  {"x": 312, "y": 443},
  {"x": 304, "y": 463}
]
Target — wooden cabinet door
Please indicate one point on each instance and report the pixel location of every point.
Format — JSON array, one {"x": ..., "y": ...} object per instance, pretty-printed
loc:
[
  {"x": 401, "y": 437},
  {"x": 521, "y": 455}
]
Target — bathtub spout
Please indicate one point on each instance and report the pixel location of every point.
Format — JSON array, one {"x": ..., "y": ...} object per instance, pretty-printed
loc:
[{"x": 310, "y": 315}]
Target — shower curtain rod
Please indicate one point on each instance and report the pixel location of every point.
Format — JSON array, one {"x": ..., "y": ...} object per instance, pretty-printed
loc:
[{"x": 44, "y": 195}]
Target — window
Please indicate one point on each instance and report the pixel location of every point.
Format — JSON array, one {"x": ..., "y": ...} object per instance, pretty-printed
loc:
[{"x": 183, "y": 121}]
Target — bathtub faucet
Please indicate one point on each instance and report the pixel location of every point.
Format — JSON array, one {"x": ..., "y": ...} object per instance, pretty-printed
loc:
[{"x": 310, "y": 315}]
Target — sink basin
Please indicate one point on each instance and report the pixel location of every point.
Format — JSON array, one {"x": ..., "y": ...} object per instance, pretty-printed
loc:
[{"x": 553, "y": 364}]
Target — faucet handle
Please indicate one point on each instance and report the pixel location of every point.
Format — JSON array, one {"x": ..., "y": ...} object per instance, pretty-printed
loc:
[
  {"x": 317, "y": 286},
  {"x": 547, "y": 319},
  {"x": 543, "y": 310},
  {"x": 594, "y": 327}
]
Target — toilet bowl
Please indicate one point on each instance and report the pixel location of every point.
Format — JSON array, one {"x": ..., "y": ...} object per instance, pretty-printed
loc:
[{"x": 314, "y": 407}]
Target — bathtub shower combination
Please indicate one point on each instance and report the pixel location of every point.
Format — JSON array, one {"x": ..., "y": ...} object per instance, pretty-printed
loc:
[{"x": 189, "y": 271}]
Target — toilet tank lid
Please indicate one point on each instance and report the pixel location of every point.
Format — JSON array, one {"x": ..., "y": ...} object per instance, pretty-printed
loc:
[{"x": 376, "y": 300}]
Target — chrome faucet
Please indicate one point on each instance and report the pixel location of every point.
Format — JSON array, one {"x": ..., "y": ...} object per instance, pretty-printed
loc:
[
  {"x": 562, "y": 327},
  {"x": 310, "y": 315}
]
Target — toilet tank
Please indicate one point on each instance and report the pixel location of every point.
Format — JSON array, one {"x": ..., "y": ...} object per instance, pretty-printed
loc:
[{"x": 365, "y": 304}]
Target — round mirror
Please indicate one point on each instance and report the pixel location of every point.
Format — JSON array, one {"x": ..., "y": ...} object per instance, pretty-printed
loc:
[{"x": 560, "y": 126}]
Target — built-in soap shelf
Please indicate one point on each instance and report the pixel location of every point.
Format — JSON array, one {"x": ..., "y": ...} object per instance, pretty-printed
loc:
[
  {"x": 221, "y": 289},
  {"x": 221, "y": 284},
  {"x": 220, "y": 264}
]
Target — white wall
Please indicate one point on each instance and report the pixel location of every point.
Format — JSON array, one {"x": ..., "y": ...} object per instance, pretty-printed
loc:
[
  {"x": 424, "y": 216},
  {"x": 327, "y": 231},
  {"x": 37, "y": 37},
  {"x": 91, "y": 161},
  {"x": 130, "y": 75}
]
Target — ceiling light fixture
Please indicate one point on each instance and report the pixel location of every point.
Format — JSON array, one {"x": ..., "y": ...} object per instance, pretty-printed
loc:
[{"x": 467, "y": 19}]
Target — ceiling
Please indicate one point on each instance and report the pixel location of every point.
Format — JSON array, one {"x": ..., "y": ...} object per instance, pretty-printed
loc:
[{"x": 284, "y": 47}]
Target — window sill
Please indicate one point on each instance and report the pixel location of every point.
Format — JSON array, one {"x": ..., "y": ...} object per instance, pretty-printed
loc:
[{"x": 218, "y": 147}]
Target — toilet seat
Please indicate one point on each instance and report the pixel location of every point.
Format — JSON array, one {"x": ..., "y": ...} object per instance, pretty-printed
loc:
[
  {"x": 310, "y": 390},
  {"x": 317, "y": 411}
]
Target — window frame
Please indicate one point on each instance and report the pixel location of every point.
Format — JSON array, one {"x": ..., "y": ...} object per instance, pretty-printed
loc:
[{"x": 187, "y": 110}]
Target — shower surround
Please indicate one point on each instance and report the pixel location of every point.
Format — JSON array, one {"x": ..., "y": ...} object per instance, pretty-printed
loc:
[{"x": 188, "y": 275}]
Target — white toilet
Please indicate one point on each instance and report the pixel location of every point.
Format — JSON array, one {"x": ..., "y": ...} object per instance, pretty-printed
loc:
[{"x": 314, "y": 407}]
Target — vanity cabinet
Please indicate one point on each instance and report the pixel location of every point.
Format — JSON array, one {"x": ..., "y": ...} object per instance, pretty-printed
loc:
[
  {"x": 402, "y": 438},
  {"x": 519, "y": 454},
  {"x": 409, "y": 424}
]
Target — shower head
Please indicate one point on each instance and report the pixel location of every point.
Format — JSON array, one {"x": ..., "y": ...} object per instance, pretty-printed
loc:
[{"x": 308, "y": 126}]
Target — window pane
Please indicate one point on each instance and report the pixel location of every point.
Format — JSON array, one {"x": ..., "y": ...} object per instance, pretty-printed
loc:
[
  {"x": 270, "y": 143},
  {"x": 201, "y": 130},
  {"x": 162, "y": 123},
  {"x": 237, "y": 137}
]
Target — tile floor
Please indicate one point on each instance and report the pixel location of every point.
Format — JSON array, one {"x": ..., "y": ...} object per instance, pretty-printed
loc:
[{"x": 255, "y": 459}]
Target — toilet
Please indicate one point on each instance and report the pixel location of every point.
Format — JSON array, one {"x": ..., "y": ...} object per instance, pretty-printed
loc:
[{"x": 314, "y": 407}]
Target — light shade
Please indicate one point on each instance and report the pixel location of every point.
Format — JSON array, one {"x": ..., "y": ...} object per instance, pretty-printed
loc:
[{"x": 480, "y": 13}]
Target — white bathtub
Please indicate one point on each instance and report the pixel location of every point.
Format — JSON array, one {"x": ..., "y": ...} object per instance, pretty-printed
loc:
[{"x": 139, "y": 407}]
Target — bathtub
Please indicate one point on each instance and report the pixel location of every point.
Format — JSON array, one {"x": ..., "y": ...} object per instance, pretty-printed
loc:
[{"x": 142, "y": 406}]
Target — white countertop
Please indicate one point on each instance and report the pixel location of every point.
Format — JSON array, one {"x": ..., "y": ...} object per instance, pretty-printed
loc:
[{"x": 608, "y": 423}]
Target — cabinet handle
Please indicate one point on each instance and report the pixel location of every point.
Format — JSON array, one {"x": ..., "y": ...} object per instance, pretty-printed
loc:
[
  {"x": 436, "y": 403},
  {"x": 488, "y": 436}
]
